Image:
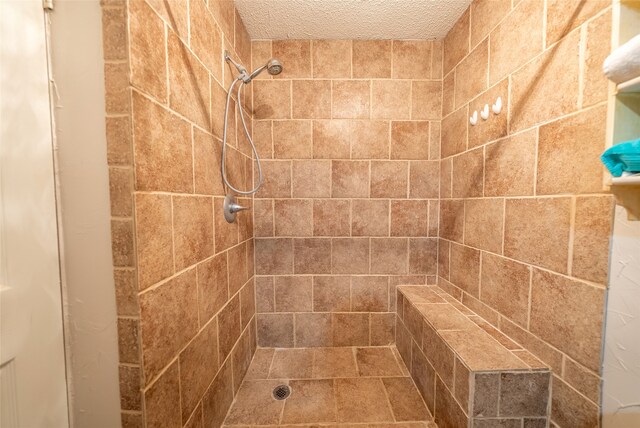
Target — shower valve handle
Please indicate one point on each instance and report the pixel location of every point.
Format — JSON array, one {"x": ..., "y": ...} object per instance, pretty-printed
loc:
[
  {"x": 231, "y": 207},
  {"x": 234, "y": 208}
]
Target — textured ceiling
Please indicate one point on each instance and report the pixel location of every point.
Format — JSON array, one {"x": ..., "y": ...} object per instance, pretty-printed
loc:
[{"x": 350, "y": 19}]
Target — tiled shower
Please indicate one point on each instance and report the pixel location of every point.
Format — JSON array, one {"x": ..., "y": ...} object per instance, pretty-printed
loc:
[{"x": 373, "y": 178}]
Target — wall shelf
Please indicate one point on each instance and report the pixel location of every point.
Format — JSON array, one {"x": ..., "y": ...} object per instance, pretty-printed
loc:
[
  {"x": 629, "y": 87},
  {"x": 630, "y": 180}
]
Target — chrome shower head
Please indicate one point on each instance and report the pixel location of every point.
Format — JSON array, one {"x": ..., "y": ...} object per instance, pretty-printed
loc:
[{"x": 274, "y": 66}]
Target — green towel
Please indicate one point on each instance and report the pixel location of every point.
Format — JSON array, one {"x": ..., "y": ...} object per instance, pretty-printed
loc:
[{"x": 622, "y": 157}]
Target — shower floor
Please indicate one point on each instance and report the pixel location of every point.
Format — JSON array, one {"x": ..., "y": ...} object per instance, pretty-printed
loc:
[{"x": 330, "y": 386}]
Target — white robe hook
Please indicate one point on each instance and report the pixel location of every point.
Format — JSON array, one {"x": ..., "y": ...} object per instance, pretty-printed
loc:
[
  {"x": 474, "y": 119},
  {"x": 484, "y": 114},
  {"x": 497, "y": 107}
]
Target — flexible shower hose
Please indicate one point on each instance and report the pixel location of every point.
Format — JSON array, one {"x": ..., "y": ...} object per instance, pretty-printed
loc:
[{"x": 246, "y": 132}]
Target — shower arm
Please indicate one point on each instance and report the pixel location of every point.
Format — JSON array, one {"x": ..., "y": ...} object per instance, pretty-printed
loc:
[{"x": 244, "y": 74}]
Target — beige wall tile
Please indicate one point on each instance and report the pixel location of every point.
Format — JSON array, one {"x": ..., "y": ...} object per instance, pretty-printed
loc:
[
  {"x": 162, "y": 144},
  {"x": 206, "y": 164},
  {"x": 568, "y": 314},
  {"x": 292, "y": 139},
  {"x": 526, "y": 220},
  {"x": 582, "y": 379},
  {"x": 276, "y": 179},
  {"x": 597, "y": 48},
  {"x": 265, "y": 295},
  {"x": 212, "y": 286},
  {"x": 122, "y": 245},
  {"x": 483, "y": 224},
  {"x": 565, "y": 162},
  {"x": 331, "y": 217},
  {"x": 447, "y": 408},
  {"x": 369, "y": 294},
  {"x": 274, "y": 256},
  {"x": 593, "y": 228},
  {"x": 293, "y": 217},
  {"x": 206, "y": 37},
  {"x": 452, "y": 219},
  {"x": 114, "y": 32},
  {"x": 312, "y": 255},
  {"x": 350, "y": 179},
  {"x": 162, "y": 399},
  {"x": 446, "y": 167},
  {"x": 436, "y": 59},
  {"x": 147, "y": 56},
  {"x": 263, "y": 222},
  {"x": 388, "y": 179},
  {"x": 369, "y": 217},
  {"x": 454, "y": 132},
  {"x": 371, "y": 58},
  {"x": 192, "y": 230},
  {"x": 313, "y": 330},
  {"x": 410, "y": 140},
  {"x": 275, "y": 330},
  {"x": 468, "y": 172},
  {"x": 188, "y": 83},
  {"x": 411, "y": 58},
  {"x": 423, "y": 256},
  {"x": 503, "y": 277},
  {"x": 296, "y": 57},
  {"x": 119, "y": 140},
  {"x": 456, "y": 43},
  {"x": 448, "y": 93},
  {"x": 271, "y": 99},
  {"x": 198, "y": 367},
  {"x": 228, "y": 327},
  {"x": 293, "y": 293},
  {"x": 409, "y": 218},
  {"x": 311, "y": 179},
  {"x": 311, "y": 99},
  {"x": 331, "y": 139},
  {"x": 382, "y": 329},
  {"x": 116, "y": 97},
  {"x": 510, "y": 165},
  {"x": 351, "y": 99},
  {"x": 350, "y": 255},
  {"x": 390, "y": 99},
  {"x": 389, "y": 256},
  {"x": 331, "y": 293},
  {"x": 223, "y": 12},
  {"x": 564, "y": 16},
  {"x": 465, "y": 268},
  {"x": 426, "y": 100},
  {"x": 166, "y": 311},
  {"x": 423, "y": 179},
  {"x": 154, "y": 238},
  {"x": 471, "y": 74},
  {"x": 237, "y": 264},
  {"x": 485, "y": 15},
  {"x": 331, "y": 58},
  {"x": 546, "y": 87},
  {"x": 522, "y": 27},
  {"x": 569, "y": 407},
  {"x": 350, "y": 329},
  {"x": 370, "y": 139}
]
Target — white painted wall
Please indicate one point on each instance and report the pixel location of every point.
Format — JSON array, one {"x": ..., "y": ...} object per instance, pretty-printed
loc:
[
  {"x": 90, "y": 307},
  {"x": 621, "y": 373}
]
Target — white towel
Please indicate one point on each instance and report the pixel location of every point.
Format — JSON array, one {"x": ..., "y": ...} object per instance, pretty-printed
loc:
[{"x": 624, "y": 63}]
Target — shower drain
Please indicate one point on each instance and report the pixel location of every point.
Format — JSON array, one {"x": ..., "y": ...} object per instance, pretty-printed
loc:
[{"x": 281, "y": 392}]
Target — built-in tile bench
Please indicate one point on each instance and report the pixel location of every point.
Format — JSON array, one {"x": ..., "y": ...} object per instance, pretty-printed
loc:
[{"x": 469, "y": 373}]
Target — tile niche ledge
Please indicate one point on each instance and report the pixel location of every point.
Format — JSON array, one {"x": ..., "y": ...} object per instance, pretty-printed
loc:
[{"x": 469, "y": 373}]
